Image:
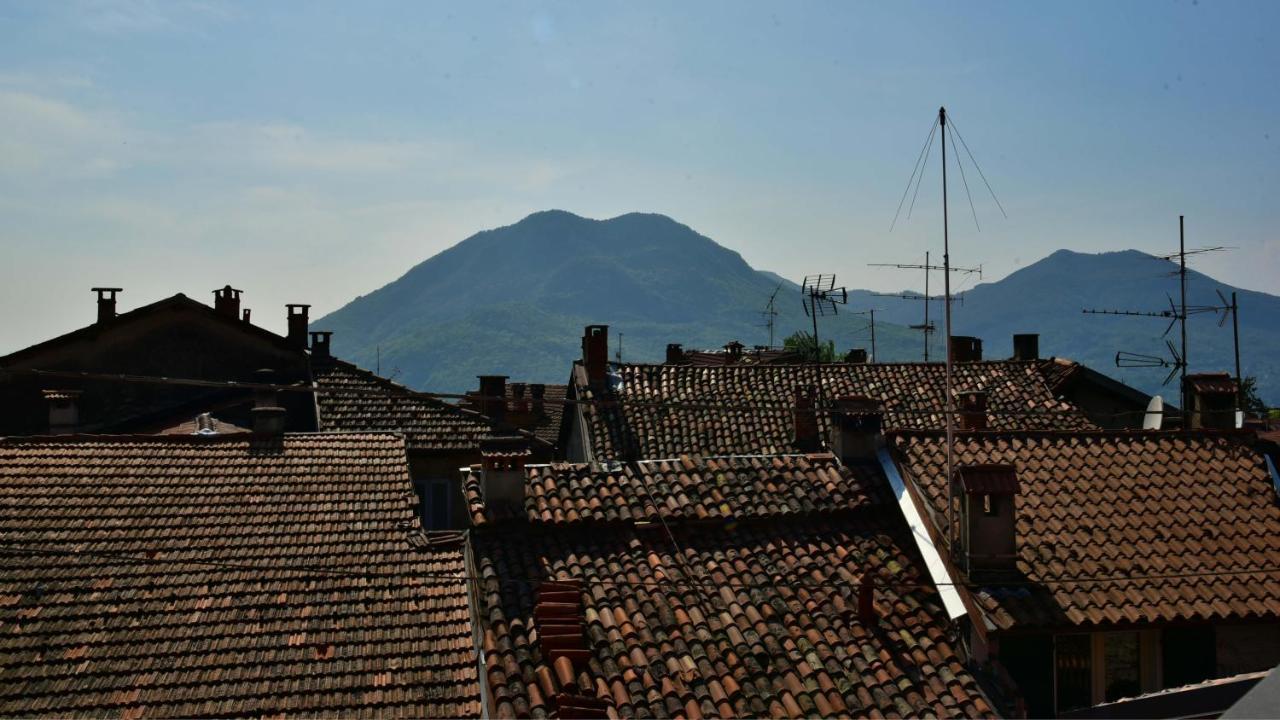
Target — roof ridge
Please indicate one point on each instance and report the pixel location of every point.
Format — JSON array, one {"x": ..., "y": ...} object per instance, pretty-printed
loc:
[{"x": 74, "y": 438}]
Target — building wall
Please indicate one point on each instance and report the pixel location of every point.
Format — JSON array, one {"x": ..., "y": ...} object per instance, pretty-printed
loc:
[{"x": 1247, "y": 648}]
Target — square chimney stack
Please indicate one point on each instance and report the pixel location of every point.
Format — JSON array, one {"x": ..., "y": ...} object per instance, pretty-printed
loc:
[
  {"x": 675, "y": 354},
  {"x": 855, "y": 433},
  {"x": 493, "y": 397},
  {"x": 106, "y": 302},
  {"x": 965, "y": 348},
  {"x": 1212, "y": 397},
  {"x": 502, "y": 461},
  {"x": 64, "y": 411},
  {"x": 1026, "y": 346},
  {"x": 804, "y": 418},
  {"x": 320, "y": 344},
  {"x": 595, "y": 353},
  {"x": 297, "y": 318},
  {"x": 988, "y": 518},
  {"x": 973, "y": 410},
  {"x": 856, "y": 356},
  {"x": 226, "y": 300}
]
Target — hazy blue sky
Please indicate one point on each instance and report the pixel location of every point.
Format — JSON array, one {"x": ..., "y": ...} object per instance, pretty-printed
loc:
[{"x": 310, "y": 152}]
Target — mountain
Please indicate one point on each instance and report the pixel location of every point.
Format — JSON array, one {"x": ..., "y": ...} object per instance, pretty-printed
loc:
[
  {"x": 514, "y": 301},
  {"x": 1048, "y": 297}
]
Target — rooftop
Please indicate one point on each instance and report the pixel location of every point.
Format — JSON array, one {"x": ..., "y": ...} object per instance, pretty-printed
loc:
[{"x": 228, "y": 575}]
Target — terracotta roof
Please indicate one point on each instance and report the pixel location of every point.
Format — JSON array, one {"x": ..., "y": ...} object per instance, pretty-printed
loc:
[
  {"x": 1097, "y": 506},
  {"x": 753, "y": 611},
  {"x": 1214, "y": 383},
  {"x": 747, "y": 356},
  {"x": 545, "y": 427},
  {"x": 686, "y": 488},
  {"x": 1057, "y": 371},
  {"x": 353, "y": 399},
  {"x": 189, "y": 427},
  {"x": 912, "y": 394},
  {"x": 725, "y": 627},
  {"x": 220, "y": 576}
]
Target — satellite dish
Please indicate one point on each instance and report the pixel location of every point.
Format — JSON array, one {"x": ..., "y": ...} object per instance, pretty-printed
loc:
[{"x": 1155, "y": 414}]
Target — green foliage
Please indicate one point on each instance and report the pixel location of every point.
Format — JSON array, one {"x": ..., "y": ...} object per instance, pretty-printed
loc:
[
  {"x": 1253, "y": 405},
  {"x": 802, "y": 342}
]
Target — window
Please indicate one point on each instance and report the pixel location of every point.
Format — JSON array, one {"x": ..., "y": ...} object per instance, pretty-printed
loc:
[
  {"x": 437, "y": 511},
  {"x": 1073, "y": 671}
]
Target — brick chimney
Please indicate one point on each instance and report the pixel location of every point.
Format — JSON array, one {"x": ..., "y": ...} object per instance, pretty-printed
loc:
[
  {"x": 857, "y": 356},
  {"x": 973, "y": 410},
  {"x": 965, "y": 348},
  {"x": 595, "y": 353},
  {"x": 855, "y": 428},
  {"x": 502, "y": 461},
  {"x": 1212, "y": 397},
  {"x": 106, "y": 302},
  {"x": 320, "y": 344},
  {"x": 297, "y": 317},
  {"x": 64, "y": 411},
  {"x": 1026, "y": 346},
  {"x": 805, "y": 420},
  {"x": 226, "y": 300},
  {"x": 493, "y": 397},
  {"x": 538, "y": 391},
  {"x": 675, "y": 354},
  {"x": 988, "y": 519},
  {"x": 867, "y": 614}
]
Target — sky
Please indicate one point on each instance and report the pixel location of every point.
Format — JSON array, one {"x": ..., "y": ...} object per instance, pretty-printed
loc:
[{"x": 313, "y": 152}]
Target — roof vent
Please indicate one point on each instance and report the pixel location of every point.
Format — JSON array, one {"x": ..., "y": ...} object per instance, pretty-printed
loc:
[{"x": 204, "y": 425}]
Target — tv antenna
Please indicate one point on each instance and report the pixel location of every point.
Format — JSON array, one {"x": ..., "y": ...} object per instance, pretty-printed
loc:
[
  {"x": 926, "y": 328},
  {"x": 872, "y": 325},
  {"x": 943, "y": 127},
  {"x": 1178, "y": 314},
  {"x": 770, "y": 313},
  {"x": 821, "y": 297}
]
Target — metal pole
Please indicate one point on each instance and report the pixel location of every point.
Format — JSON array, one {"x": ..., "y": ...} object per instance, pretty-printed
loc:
[
  {"x": 946, "y": 284},
  {"x": 1235, "y": 333},
  {"x": 925, "y": 332},
  {"x": 873, "y": 345},
  {"x": 1182, "y": 278},
  {"x": 813, "y": 306}
]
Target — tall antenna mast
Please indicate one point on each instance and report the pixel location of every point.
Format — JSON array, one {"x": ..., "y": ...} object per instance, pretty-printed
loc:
[
  {"x": 946, "y": 285},
  {"x": 927, "y": 328}
]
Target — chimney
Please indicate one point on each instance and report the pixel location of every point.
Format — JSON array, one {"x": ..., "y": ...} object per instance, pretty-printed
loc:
[
  {"x": 965, "y": 348},
  {"x": 857, "y": 356},
  {"x": 64, "y": 411},
  {"x": 733, "y": 350},
  {"x": 1212, "y": 397},
  {"x": 805, "y": 420},
  {"x": 493, "y": 397},
  {"x": 268, "y": 420},
  {"x": 595, "y": 353},
  {"x": 538, "y": 391},
  {"x": 973, "y": 410},
  {"x": 519, "y": 403},
  {"x": 246, "y": 315},
  {"x": 297, "y": 315},
  {"x": 1026, "y": 346},
  {"x": 855, "y": 428},
  {"x": 502, "y": 461},
  {"x": 675, "y": 354},
  {"x": 106, "y": 302},
  {"x": 226, "y": 300},
  {"x": 988, "y": 521},
  {"x": 320, "y": 344}
]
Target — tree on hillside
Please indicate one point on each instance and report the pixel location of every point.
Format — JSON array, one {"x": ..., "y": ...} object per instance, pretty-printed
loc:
[{"x": 802, "y": 342}]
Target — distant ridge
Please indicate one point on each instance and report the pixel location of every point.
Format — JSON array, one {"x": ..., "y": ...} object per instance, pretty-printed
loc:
[{"x": 513, "y": 301}]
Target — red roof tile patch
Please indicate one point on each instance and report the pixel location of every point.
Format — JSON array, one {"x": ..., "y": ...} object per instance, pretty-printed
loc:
[
  {"x": 228, "y": 575},
  {"x": 669, "y": 410},
  {"x": 1124, "y": 526},
  {"x": 761, "y": 620},
  {"x": 687, "y": 488}
]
